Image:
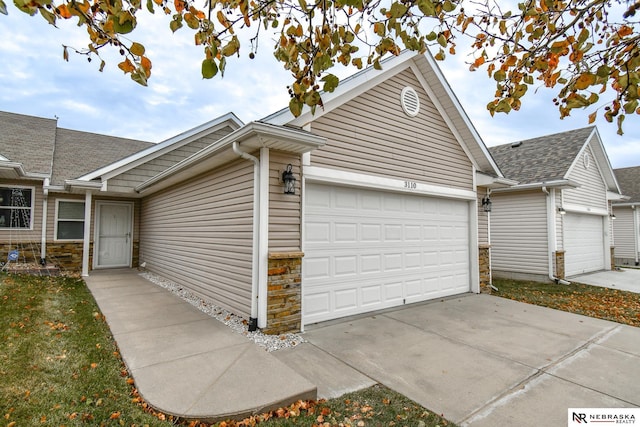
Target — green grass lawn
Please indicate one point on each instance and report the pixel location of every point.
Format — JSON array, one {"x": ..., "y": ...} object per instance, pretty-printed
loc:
[
  {"x": 593, "y": 301},
  {"x": 59, "y": 366}
]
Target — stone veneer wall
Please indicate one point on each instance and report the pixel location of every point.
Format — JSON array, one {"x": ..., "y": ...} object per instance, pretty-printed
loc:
[
  {"x": 613, "y": 258},
  {"x": 560, "y": 264},
  {"x": 484, "y": 253},
  {"x": 284, "y": 293},
  {"x": 65, "y": 255}
]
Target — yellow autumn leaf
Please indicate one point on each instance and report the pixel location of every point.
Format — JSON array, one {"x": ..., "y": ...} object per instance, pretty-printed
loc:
[
  {"x": 137, "y": 49},
  {"x": 584, "y": 81}
]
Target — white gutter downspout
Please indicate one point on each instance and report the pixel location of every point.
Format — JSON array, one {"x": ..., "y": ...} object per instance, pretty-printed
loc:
[
  {"x": 255, "y": 269},
  {"x": 636, "y": 232},
  {"x": 551, "y": 232},
  {"x": 87, "y": 234},
  {"x": 43, "y": 240}
]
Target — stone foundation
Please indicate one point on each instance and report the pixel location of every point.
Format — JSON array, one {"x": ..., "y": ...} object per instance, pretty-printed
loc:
[
  {"x": 284, "y": 293},
  {"x": 484, "y": 254},
  {"x": 65, "y": 255},
  {"x": 559, "y": 264},
  {"x": 613, "y": 258}
]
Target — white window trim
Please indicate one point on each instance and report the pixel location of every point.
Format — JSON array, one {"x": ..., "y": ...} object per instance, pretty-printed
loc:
[
  {"x": 33, "y": 203},
  {"x": 57, "y": 220}
]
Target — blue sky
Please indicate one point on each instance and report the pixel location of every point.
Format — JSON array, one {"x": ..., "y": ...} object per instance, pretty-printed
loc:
[{"x": 37, "y": 81}]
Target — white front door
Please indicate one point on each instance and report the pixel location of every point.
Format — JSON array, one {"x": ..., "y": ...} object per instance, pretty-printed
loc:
[{"x": 113, "y": 234}]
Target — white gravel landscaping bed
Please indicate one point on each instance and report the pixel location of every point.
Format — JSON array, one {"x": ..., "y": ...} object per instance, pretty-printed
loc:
[{"x": 236, "y": 323}]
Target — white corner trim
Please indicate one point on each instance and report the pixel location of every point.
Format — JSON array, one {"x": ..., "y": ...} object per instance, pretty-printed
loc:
[
  {"x": 263, "y": 250},
  {"x": 320, "y": 174}
]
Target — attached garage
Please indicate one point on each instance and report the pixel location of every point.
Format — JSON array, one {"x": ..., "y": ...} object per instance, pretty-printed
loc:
[
  {"x": 367, "y": 250},
  {"x": 584, "y": 243}
]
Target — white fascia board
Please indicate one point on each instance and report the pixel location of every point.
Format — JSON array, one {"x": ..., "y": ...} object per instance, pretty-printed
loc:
[
  {"x": 333, "y": 176},
  {"x": 613, "y": 196},
  {"x": 626, "y": 205},
  {"x": 585, "y": 209},
  {"x": 78, "y": 184},
  {"x": 484, "y": 180},
  {"x": 160, "y": 148},
  {"x": 348, "y": 89},
  {"x": 3, "y": 158},
  {"x": 15, "y": 167},
  {"x": 456, "y": 103},
  {"x": 561, "y": 183},
  {"x": 306, "y": 141}
]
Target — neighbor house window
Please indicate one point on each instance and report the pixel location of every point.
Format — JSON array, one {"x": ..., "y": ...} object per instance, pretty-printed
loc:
[
  {"x": 16, "y": 207},
  {"x": 69, "y": 220}
]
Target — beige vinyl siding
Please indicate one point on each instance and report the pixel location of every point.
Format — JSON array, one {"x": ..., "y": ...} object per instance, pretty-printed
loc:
[
  {"x": 371, "y": 134},
  {"x": 33, "y": 235},
  {"x": 127, "y": 180},
  {"x": 519, "y": 233},
  {"x": 623, "y": 229},
  {"x": 483, "y": 218},
  {"x": 199, "y": 234},
  {"x": 284, "y": 209},
  {"x": 592, "y": 191}
]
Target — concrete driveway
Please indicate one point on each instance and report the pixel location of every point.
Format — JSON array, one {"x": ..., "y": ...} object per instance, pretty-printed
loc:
[
  {"x": 626, "y": 279},
  {"x": 479, "y": 360}
]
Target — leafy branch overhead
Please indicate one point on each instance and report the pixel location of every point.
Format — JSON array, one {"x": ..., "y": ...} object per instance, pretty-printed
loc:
[{"x": 587, "y": 50}]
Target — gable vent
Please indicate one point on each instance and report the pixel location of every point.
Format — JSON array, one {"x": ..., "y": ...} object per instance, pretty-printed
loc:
[{"x": 410, "y": 101}]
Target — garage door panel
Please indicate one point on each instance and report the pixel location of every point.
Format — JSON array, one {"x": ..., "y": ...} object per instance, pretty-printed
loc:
[
  {"x": 380, "y": 250},
  {"x": 584, "y": 243}
]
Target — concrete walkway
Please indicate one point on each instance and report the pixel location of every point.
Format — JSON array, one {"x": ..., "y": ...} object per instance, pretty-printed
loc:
[
  {"x": 625, "y": 279},
  {"x": 479, "y": 360},
  {"x": 186, "y": 363}
]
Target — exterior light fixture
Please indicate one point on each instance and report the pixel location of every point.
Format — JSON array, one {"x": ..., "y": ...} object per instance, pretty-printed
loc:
[
  {"x": 486, "y": 204},
  {"x": 561, "y": 210},
  {"x": 289, "y": 180},
  {"x": 612, "y": 216}
]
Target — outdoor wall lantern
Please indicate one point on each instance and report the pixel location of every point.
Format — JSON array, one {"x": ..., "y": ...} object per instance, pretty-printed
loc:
[
  {"x": 561, "y": 210},
  {"x": 289, "y": 180},
  {"x": 486, "y": 204},
  {"x": 612, "y": 216}
]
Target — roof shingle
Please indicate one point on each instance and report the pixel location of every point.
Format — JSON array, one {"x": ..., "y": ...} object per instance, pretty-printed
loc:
[
  {"x": 543, "y": 159},
  {"x": 62, "y": 154},
  {"x": 28, "y": 140},
  {"x": 629, "y": 181},
  {"x": 78, "y": 153}
]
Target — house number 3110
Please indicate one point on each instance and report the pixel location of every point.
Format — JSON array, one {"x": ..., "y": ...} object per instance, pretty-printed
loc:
[{"x": 411, "y": 185}]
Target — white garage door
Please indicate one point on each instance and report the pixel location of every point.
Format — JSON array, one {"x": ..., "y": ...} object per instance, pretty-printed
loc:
[
  {"x": 367, "y": 250},
  {"x": 584, "y": 243}
]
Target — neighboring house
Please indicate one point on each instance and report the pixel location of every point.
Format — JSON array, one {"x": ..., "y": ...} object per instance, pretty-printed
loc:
[
  {"x": 626, "y": 226},
  {"x": 42, "y": 207},
  {"x": 385, "y": 209},
  {"x": 556, "y": 222}
]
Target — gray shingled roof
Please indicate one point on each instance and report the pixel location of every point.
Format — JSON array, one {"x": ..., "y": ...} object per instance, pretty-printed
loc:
[
  {"x": 78, "y": 153},
  {"x": 541, "y": 159},
  {"x": 63, "y": 154},
  {"x": 629, "y": 181},
  {"x": 27, "y": 140}
]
